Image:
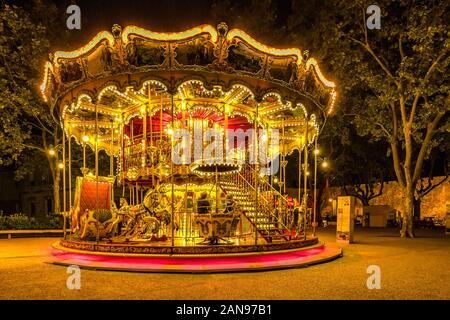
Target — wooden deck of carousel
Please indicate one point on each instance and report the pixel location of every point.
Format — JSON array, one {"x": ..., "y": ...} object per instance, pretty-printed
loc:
[{"x": 186, "y": 257}]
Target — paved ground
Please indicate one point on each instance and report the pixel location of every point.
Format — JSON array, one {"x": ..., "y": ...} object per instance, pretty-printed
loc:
[{"x": 410, "y": 269}]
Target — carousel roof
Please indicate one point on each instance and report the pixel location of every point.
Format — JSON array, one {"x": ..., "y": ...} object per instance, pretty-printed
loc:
[{"x": 205, "y": 71}]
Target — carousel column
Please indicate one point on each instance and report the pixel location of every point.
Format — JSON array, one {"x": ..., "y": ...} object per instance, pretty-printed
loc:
[
  {"x": 111, "y": 160},
  {"x": 138, "y": 201},
  {"x": 96, "y": 173},
  {"x": 316, "y": 152},
  {"x": 160, "y": 137},
  {"x": 172, "y": 205},
  {"x": 132, "y": 156},
  {"x": 225, "y": 135},
  {"x": 122, "y": 155},
  {"x": 299, "y": 179},
  {"x": 64, "y": 181},
  {"x": 284, "y": 162},
  {"x": 150, "y": 112},
  {"x": 281, "y": 157},
  {"x": 305, "y": 177},
  {"x": 144, "y": 137},
  {"x": 256, "y": 159},
  {"x": 85, "y": 140},
  {"x": 131, "y": 192},
  {"x": 70, "y": 176}
]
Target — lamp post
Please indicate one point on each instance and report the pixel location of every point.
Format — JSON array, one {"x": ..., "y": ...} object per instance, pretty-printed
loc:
[
  {"x": 85, "y": 139},
  {"x": 324, "y": 165},
  {"x": 316, "y": 153}
]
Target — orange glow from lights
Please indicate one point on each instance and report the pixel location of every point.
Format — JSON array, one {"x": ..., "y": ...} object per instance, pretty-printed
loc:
[{"x": 236, "y": 33}]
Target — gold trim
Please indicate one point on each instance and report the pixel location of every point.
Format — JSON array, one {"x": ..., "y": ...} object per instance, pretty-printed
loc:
[
  {"x": 169, "y": 36},
  {"x": 58, "y": 246}
]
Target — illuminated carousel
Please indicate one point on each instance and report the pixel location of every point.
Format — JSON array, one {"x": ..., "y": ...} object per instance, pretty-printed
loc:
[{"x": 197, "y": 126}]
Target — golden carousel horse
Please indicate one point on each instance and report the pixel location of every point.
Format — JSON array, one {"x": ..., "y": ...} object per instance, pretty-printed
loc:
[
  {"x": 146, "y": 220},
  {"x": 103, "y": 222}
]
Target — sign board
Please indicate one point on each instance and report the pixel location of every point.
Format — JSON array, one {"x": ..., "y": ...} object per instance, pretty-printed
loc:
[
  {"x": 447, "y": 224},
  {"x": 345, "y": 219}
]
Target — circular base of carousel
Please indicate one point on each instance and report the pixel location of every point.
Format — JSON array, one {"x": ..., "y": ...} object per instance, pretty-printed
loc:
[{"x": 147, "y": 257}]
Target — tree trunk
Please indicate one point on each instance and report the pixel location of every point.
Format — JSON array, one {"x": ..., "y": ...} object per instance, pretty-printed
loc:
[
  {"x": 56, "y": 198},
  {"x": 408, "y": 214}
]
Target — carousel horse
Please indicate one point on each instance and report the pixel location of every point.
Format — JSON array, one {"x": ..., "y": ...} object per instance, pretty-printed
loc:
[
  {"x": 101, "y": 222},
  {"x": 156, "y": 203},
  {"x": 144, "y": 221}
]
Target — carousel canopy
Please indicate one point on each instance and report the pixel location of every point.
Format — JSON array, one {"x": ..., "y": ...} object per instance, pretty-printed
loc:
[{"x": 205, "y": 73}]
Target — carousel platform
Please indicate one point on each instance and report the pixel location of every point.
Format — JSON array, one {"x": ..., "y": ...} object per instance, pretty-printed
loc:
[{"x": 309, "y": 253}]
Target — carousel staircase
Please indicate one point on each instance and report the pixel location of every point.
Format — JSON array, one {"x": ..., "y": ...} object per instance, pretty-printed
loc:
[{"x": 258, "y": 210}]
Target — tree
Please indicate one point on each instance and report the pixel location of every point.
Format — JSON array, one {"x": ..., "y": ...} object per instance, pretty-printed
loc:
[
  {"x": 28, "y": 130},
  {"x": 404, "y": 69},
  {"x": 259, "y": 18},
  {"x": 361, "y": 169}
]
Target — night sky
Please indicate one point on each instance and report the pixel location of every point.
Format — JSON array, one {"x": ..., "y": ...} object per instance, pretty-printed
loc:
[{"x": 162, "y": 15}]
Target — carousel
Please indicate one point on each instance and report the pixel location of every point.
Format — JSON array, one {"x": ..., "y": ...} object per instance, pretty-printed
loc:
[{"x": 197, "y": 126}]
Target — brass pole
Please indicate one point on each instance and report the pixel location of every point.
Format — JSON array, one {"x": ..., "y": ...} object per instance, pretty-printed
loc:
[
  {"x": 161, "y": 120},
  {"x": 70, "y": 176},
  {"x": 122, "y": 152},
  {"x": 96, "y": 173},
  {"x": 256, "y": 157},
  {"x": 151, "y": 135},
  {"x": 64, "y": 181},
  {"x": 284, "y": 161},
  {"x": 144, "y": 136},
  {"x": 171, "y": 176},
  {"x": 315, "y": 187},
  {"x": 160, "y": 137},
  {"x": 225, "y": 134},
  {"x": 299, "y": 179},
  {"x": 217, "y": 190},
  {"x": 111, "y": 156},
  {"x": 131, "y": 191},
  {"x": 84, "y": 148},
  {"x": 305, "y": 177},
  {"x": 111, "y": 159},
  {"x": 281, "y": 154},
  {"x": 137, "y": 194}
]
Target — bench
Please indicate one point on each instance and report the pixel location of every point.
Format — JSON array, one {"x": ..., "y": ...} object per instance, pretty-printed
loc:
[{"x": 10, "y": 233}]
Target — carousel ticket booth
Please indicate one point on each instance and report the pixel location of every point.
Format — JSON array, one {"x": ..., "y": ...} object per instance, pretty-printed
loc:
[{"x": 197, "y": 126}]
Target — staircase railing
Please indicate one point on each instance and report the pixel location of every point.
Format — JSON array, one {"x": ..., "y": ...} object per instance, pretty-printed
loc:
[
  {"x": 265, "y": 187},
  {"x": 263, "y": 207}
]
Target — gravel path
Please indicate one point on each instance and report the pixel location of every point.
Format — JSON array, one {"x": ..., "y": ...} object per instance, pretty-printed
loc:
[{"x": 410, "y": 269}]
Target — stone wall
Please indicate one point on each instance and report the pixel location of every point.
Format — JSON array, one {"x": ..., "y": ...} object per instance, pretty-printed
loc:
[{"x": 433, "y": 204}]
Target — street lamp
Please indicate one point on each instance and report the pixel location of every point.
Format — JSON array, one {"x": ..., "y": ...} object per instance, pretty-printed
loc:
[
  {"x": 60, "y": 165},
  {"x": 51, "y": 152}
]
